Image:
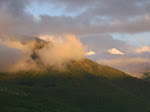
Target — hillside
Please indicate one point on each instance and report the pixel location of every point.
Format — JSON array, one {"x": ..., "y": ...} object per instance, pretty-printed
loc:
[
  {"x": 83, "y": 86},
  {"x": 146, "y": 76}
]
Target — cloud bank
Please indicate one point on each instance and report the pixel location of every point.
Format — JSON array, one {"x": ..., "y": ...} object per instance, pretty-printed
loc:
[
  {"x": 134, "y": 66},
  {"x": 65, "y": 49},
  {"x": 117, "y": 16},
  {"x": 36, "y": 54},
  {"x": 92, "y": 21}
]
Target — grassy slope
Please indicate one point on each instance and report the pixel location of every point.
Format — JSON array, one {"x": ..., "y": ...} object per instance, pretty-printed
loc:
[{"x": 84, "y": 87}]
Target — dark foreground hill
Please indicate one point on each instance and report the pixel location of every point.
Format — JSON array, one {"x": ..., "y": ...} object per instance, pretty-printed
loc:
[
  {"x": 83, "y": 87},
  {"x": 146, "y": 76}
]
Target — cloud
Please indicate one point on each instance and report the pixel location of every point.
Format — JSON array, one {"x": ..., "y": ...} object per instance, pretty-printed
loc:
[
  {"x": 131, "y": 17},
  {"x": 53, "y": 39},
  {"x": 143, "y": 49},
  {"x": 92, "y": 21},
  {"x": 16, "y": 56},
  {"x": 131, "y": 62},
  {"x": 107, "y": 17},
  {"x": 60, "y": 53},
  {"x": 115, "y": 51},
  {"x": 19, "y": 56},
  {"x": 125, "y": 9},
  {"x": 90, "y": 53},
  {"x": 8, "y": 56},
  {"x": 102, "y": 43},
  {"x": 134, "y": 66}
]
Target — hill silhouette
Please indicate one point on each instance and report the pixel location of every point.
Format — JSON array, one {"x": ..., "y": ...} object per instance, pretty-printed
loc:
[{"x": 83, "y": 86}]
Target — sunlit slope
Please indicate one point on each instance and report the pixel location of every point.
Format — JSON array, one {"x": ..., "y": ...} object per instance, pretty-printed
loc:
[{"x": 83, "y": 86}]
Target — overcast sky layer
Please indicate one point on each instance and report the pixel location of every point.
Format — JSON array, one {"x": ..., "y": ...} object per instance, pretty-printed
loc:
[{"x": 100, "y": 25}]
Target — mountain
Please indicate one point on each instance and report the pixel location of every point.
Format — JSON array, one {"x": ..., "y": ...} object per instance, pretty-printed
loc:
[
  {"x": 80, "y": 86},
  {"x": 83, "y": 86},
  {"x": 146, "y": 76}
]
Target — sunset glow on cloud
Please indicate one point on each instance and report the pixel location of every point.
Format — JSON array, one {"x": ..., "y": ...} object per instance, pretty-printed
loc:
[
  {"x": 143, "y": 49},
  {"x": 90, "y": 53},
  {"x": 110, "y": 26},
  {"x": 115, "y": 51}
]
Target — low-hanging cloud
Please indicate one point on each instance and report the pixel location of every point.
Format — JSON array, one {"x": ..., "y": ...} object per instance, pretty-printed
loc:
[
  {"x": 17, "y": 55},
  {"x": 8, "y": 56},
  {"x": 64, "y": 49},
  {"x": 134, "y": 66}
]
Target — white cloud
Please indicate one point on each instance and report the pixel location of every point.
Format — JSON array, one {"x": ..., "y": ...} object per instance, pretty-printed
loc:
[
  {"x": 115, "y": 51},
  {"x": 61, "y": 52},
  {"x": 90, "y": 53}
]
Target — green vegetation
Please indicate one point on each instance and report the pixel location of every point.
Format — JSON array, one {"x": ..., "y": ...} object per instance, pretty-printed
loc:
[{"x": 83, "y": 87}]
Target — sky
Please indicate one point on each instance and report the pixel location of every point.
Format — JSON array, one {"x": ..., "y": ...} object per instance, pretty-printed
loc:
[{"x": 101, "y": 25}]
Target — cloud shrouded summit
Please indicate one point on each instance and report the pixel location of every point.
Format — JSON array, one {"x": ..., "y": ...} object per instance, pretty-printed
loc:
[
  {"x": 68, "y": 48},
  {"x": 97, "y": 23},
  {"x": 36, "y": 54}
]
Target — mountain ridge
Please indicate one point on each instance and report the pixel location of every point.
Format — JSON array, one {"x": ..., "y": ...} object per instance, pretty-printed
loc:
[
  {"x": 84, "y": 86},
  {"x": 76, "y": 86}
]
